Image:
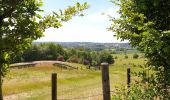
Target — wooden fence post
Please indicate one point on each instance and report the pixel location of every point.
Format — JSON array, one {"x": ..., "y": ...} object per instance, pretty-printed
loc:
[
  {"x": 128, "y": 77},
  {"x": 105, "y": 81},
  {"x": 54, "y": 86}
]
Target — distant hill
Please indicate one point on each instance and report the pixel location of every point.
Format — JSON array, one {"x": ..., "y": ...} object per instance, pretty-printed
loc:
[{"x": 92, "y": 45}]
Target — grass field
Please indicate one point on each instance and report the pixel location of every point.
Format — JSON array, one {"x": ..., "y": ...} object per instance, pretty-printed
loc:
[{"x": 34, "y": 83}]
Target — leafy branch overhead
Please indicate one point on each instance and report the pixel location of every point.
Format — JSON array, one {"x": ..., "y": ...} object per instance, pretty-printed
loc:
[
  {"x": 55, "y": 19},
  {"x": 146, "y": 24},
  {"x": 21, "y": 23}
]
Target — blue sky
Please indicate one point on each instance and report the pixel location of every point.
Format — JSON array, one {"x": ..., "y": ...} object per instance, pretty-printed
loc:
[{"x": 90, "y": 28}]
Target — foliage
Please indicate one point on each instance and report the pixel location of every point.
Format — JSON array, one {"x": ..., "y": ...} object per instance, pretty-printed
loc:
[
  {"x": 135, "y": 56},
  {"x": 47, "y": 51},
  {"x": 147, "y": 26},
  {"x": 126, "y": 56},
  {"x": 51, "y": 51},
  {"x": 148, "y": 85},
  {"x": 73, "y": 59},
  {"x": 94, "y": 58},
  {"x": 19, "y": 27},
  {"x": 20, "y": 24},
  {"x": 103, "y": 56},
  {"x": 86, "y": 62},
  {"x": 110, "y": 59},
  {"x": 60, "y": 58}
]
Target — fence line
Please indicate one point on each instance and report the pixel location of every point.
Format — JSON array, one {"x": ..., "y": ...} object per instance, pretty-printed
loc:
[
  {"x": 90, "y": 96},
  {"x": 105, "y": 84},
  {"x": 82, "y": 97},
  {"x": 79, "y": 87},
  {"x": 21, "y": 78}
]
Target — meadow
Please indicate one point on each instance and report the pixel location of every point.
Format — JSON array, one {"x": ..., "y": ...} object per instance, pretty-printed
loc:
[{"x": 34, "y": 83}]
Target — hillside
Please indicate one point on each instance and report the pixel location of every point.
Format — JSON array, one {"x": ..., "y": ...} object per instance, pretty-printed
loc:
[{"x": 92, "y": 45}]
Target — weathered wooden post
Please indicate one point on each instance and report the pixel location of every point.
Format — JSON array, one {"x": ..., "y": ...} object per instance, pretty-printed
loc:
[
  {"x": 128, "y": 77},
  {"x": 54, "y": 86},
  {"x": 105, "y": 81}
]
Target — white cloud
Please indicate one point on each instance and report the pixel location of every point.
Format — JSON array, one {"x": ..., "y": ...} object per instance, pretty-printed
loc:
[
  {"x": 91, "y": 28},
  {"x": 104, "y": 15},
  {"x": 81, "y": 34}
]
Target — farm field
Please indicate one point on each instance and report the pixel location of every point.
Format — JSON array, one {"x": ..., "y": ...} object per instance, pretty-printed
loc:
[{"x": 34, "y": 83}]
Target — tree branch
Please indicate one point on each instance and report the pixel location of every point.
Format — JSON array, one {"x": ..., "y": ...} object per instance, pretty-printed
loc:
[{"x": 8, "y": 12}]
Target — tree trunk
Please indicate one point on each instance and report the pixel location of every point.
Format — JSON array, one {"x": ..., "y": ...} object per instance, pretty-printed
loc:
[{"x": 1, "y": 94}]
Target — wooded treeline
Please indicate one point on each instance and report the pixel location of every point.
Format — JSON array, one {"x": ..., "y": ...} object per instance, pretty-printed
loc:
[{"x": 51, "y": 51}]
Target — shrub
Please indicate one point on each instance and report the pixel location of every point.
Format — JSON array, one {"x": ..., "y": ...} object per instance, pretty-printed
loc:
[
  {"x": 73, "y": 59},
  {"x": 94, "y": 63},
  {"x": 60, "y": 58},
  {"x": 113, "y": 52},
  {"x": 86, "y": 62},
  {"x": 110, "y": 59},
  {"x": 149, "y": 85},
  {"x": 126, "y": 56},
  {"x": 135, "y": 56}
]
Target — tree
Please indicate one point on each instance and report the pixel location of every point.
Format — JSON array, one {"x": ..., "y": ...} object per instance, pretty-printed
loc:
[
  {"x": 103, "y": 56},
  {"x": 20, "y": 24},
  {"x": 72, "y": 52},
  {"x": 55, "y": 50},
  {"x": 146, "y": 24},
  {"x": 110, "y": 59}
]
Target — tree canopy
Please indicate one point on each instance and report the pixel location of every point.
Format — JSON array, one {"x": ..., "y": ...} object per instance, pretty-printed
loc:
[
  {"x": 21, "y": 23},
  {"x": 146, "y": 24}
]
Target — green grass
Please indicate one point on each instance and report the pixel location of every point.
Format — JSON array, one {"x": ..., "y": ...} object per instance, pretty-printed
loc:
[{"x": 34, "y": 83}]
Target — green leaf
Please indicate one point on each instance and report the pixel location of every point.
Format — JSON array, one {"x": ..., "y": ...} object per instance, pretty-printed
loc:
[
  {"x": 38, "y": 16},
  {"x": 140, "y": 27}
]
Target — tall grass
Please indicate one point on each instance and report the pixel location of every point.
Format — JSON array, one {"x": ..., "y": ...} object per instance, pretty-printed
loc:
[{"x": 34, "y": 83}]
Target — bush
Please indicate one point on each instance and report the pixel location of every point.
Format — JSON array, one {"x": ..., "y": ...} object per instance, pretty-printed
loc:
[
  {"x": 94, "y": 63},
  {"x": 60, "y": 58},
  {"x": 126, "y": 56},
  {"x": 135, "y": 56},
  {"x": 110, "y": 59},
  {"x": 151, "y": 86},
  {"x": 113, "y": 52},
  {"x": 86, "y": 62},
  {"x": 73, "y": 59},
  {"x": 116, "y": 57}
]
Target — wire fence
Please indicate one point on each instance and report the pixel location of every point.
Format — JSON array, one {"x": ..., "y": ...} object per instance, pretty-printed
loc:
[
  {"x": 39, "y": 87},
  {"x": 75, "y": 91},
  {"x": 89, "y": 96},
  {"x": 30, "y": 95},
  {"x": 82, "y": 98}
]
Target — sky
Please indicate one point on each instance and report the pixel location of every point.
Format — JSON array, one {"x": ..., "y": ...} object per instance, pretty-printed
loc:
[{"x": 90, "y": 28}]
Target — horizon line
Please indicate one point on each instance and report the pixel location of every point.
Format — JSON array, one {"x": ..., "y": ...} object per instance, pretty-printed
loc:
[{"x": 79, "y": 42}]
